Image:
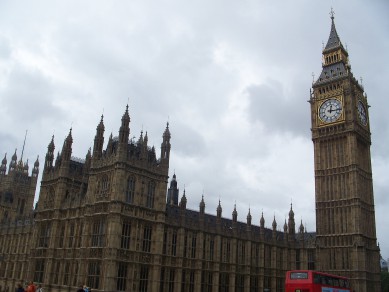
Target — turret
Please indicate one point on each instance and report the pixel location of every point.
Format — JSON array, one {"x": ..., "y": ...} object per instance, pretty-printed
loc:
[
  {"x": 3, "y": 167},
  {"x": 25, "y": 167},
  {"x": 301, "y": 230},
  {"x": 153, "y": 156},
  {"x": 291, "y": 223},
  {"x": 274, "y": 225},
  {"x": 145, "y": 140},
  {"x": 285, "y": 231},
  {"x": 67, "y": 147},
  {"x": 35, "y": 170},
  {"x": 109, "y": 146},
  {"x": 165, "y": 147},
  {"x": 142, "y": 145},
  {"x": 183, "y": 201},
  {"x": 88, "y": 159},
  {"x": 234, "y": 215},
  {"x": 219, "y": 211},
  {"x": 99, "y": 140},
  {"x": 202, "y": 205},
  {"x": 172, "y": 193},
  {"x": 124, "y": 133},
  {"x": 249, "y": 218},
  {"x": 58, "y": 160},
  {"x": 49, "y": 156},
  {"x": 13, "y": 164},
  {"x": 262, "y": 225}
]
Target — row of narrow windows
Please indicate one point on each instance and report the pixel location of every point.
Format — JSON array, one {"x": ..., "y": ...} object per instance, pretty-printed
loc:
[
  {"x": 70, "y": 237},
  {"x": 130, "y": 192},
  {"x": 332, "y": 58},
  {"x": 103, "y": 189},
  {"x": 64, "y": 272},
  {"x": 131, "y": 277},
  {"x": 338, "y": 259},
  {"x": 329, "y": 88},
  {"x": 334, "y": 154}
]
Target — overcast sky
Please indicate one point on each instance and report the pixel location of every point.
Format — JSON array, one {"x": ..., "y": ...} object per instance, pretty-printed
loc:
[{"x": 231, "y": 77}]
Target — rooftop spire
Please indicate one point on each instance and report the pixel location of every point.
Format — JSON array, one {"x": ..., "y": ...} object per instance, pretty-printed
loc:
[
  {"x": 24, "y": 144},
  {"x": 333, "y": 40}
]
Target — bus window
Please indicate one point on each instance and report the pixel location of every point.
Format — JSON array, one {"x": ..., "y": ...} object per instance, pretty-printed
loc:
[
  {"x": 341, "y": 283},
  {"x": 299, "y": 275},
  {"x": 316, "y": 279}
]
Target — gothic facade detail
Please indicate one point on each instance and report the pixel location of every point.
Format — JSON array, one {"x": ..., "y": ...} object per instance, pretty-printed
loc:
[
  {"x": 112, "y": 222},
  {"x": 345, "y": 217}
]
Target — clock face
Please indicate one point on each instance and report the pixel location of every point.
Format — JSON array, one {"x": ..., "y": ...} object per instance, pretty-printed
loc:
[
  {"x": 362, "y": 113},
  {"x": 330, "y": 110}
]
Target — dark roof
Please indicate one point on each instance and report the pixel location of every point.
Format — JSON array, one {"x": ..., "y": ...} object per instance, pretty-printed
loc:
[
  {"x": 333, "y": 40},
  {"x": 192, "y": 219},
  {"x": 332, "y": 72}
]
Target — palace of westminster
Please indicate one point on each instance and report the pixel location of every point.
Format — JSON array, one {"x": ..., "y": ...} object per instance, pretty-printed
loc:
[{"x": 113, "y": 222}]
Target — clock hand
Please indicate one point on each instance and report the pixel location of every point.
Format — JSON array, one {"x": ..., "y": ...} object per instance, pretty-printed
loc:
[{"x": 333, "y": 110}]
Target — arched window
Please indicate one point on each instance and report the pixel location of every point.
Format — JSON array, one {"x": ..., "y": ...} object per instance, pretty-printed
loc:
[
  {"x": 49, "y": 202},
  {"x": 130, "y": 190},
  {"x": 98, "y": 233},
  {"x": 150, "y": 195},
  {"x": 104, "y": 185}
]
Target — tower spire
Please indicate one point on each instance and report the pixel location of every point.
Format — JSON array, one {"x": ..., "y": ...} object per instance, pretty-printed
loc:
[
  {"x": 333, "y": 40},
  {"x": 24, "y": 144},
  {"x": 335, "y": 58},
  {"x": 165, "y": 146},
  {"x": 99, "y": 139}
]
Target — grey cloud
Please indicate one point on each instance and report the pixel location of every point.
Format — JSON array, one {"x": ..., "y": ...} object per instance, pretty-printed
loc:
[
  {"x": 29, "y": 96},
  {"x": 268, "y": 98},
  {"x": 5, "y": 49}
]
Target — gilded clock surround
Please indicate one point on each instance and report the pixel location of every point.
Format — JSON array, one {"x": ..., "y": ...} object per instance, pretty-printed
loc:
[{"x": 333, "y": 115}]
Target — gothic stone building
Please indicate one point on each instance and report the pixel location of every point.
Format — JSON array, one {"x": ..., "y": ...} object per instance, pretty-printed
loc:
[{"x": 108, "y": 222}]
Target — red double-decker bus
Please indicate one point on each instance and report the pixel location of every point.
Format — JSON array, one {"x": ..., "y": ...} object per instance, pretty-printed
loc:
[{"x": 312, "y": 281}]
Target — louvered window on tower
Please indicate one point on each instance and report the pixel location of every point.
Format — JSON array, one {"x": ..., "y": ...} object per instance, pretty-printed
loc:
[
  {"x": 146, "y": 247},
  {"x": 150, "y": 195},
  {"x": 98, "y": 234},
  {"x": 44, "y": 235},
  {"x": 130, "y": 191},
  {"x": 126, "y": 235}
]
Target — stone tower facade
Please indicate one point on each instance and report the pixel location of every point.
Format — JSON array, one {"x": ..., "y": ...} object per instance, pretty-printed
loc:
[
  {"x": 108, "y": 221},
  {"x": 17, "y": 188},
  {"x": 91, "y": 213},
  {"x": 345, "y": 218}
]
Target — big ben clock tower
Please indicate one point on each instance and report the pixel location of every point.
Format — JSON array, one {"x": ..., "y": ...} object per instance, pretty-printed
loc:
[{"x": 345, "y": 218}]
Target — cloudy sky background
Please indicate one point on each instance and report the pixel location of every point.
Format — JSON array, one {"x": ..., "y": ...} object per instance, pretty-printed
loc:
[{"x": 231, "y": 77}]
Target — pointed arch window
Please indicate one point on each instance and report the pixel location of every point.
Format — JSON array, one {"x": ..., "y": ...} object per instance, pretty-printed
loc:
[
  {"x": 104, "y": 185},
  {"x": 49, "y": 202},
  {"x": 150, "y": 195},
  {"x": 44, "y": 234},
  {"x": 71, "y": 235},
  {"x": 98, "y": 232},
  {"x": 146, "y": 246},
  {"x": 126, "y": 235},
  {"x": 130, "y": 190}
]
